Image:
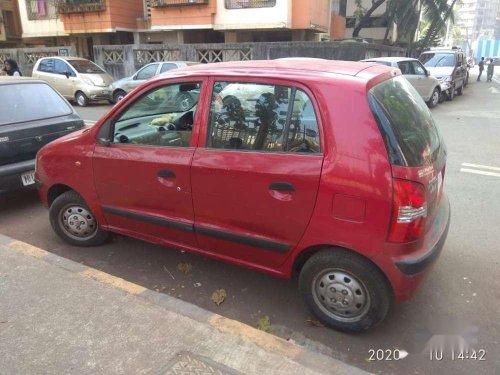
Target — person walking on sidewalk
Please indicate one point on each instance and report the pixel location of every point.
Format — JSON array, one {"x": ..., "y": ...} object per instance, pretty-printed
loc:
[
  {"x": 11, "y": 68},
  {"x": 491, "y": 68},
  {"x": 481, "y": 68}
]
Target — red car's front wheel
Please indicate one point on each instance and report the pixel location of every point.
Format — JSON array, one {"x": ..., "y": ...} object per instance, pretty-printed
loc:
[{"x": 74, "y": 222}]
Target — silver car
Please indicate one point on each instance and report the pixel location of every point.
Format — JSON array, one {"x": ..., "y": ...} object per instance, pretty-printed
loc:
[
  {"x": 427, "y": 86},
  {"x": 123, "y": 86}
]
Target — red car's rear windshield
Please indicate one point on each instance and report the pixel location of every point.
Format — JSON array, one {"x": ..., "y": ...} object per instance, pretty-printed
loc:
[{"x": 408, "y": 128}]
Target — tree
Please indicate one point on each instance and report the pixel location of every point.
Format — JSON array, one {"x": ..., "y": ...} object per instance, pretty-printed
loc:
[
  {"x": 364, "y": 15},
  {"x": 437, "y": 12},
  {"x": 405, "y": 14}
]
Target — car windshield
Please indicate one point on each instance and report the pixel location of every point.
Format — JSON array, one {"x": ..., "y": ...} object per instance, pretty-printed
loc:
[
  {"x": 433, "y": 60},
  {"x": 21, "y": 102},
  {"x": 86, "y": 67},
  {"x": 410, "y": 133}
]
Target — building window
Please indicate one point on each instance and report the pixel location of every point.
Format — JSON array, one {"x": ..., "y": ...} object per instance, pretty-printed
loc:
[
  {"x": 170, "y": 3},
  {"x": 81, "y": 6},
  {"x": 244, "y": 4},
  {"x": 42, "y": 9}
]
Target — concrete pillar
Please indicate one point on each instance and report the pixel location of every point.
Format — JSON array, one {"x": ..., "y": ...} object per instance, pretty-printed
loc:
[
  {"x": 180, "y": 36},
  {"x": 137, "y": 37}
]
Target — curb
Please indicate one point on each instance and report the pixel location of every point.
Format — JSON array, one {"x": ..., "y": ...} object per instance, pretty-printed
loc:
[{"x": 306, "y": 357}]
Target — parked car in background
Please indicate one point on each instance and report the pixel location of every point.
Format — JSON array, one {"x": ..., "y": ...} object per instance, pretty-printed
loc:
[
  {"x": 75, "y": 78},
  {"x": 427, "y": 86},
  {"x": 450, "y": 67},
  {"x": 32, "y": 114},
  {"x": 270, "y": 169},
  {"x": 123, "y": 86}
]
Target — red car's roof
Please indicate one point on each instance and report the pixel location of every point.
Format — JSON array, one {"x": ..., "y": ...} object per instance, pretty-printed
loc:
[{"x": 289, "y": 66}]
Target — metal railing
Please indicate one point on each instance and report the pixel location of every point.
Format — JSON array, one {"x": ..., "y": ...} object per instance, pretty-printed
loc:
[
  {"x": 170, "y": 3},
  {"x": 244, "y": 4},
  {"x": 42, "y": 9},
  {"x": 81, "y": 6}
]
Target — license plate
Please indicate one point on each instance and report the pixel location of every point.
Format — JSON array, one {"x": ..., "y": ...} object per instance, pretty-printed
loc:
[{"x": 28, "y": 178}]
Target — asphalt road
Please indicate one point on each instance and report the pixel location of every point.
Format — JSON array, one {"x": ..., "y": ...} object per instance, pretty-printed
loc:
[{"x": 462, "y": 293}]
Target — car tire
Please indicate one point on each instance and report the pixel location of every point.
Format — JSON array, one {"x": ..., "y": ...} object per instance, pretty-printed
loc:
[
  {"x": 451, "y": 93},
  {"x": 434, "y": 100},
  {"x": 81, "y": 99},
  {"x": 119, "y": 95},
  {"x": 345, "y": 290},
  {"x": 74, "y": 222},
  {"x": 460, "y": 90}
]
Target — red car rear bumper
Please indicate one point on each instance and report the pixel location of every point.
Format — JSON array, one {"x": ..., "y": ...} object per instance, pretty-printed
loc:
[{"x": 407, "y": 271}]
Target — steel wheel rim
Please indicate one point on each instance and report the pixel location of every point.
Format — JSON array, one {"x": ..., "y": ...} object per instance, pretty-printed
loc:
[
  {"x": 119, "y": 97},
  {"x": 80, "y": 99},
  {"x": 341, "y": 295},
  {"x": 77, "y": 222},
  {"x": 435, "y": 98}
]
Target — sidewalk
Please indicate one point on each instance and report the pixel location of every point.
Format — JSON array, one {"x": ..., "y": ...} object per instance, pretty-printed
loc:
[{"x": 60, "y": 317}]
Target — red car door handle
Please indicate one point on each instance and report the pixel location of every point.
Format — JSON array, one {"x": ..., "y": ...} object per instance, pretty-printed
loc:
[
  {"x": 281, "y": 186},
  {"x": 165, "y": 173}
]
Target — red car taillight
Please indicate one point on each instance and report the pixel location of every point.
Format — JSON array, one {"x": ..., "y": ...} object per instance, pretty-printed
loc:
[{"x": 409, "y": 211}]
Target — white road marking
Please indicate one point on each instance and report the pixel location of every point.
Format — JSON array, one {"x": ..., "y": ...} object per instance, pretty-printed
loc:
[
  {"x": 475, "y": 171},
  {"x": 89, "y": 122},
  {"x": 481, "y": 166}
]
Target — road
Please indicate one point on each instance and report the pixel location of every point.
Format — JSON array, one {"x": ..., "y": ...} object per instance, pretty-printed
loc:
[{"x": 464, "y": 287}]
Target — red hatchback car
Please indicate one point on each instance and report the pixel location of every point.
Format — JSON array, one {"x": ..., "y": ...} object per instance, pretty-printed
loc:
[{"x": 325, "y": 170}]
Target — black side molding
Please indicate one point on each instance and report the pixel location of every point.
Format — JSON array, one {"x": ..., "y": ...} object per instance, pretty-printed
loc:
[
  {"x": 227, "y": 236},
  {"x": 245, "y": 240},
  {"x": 150, "y": 219}
]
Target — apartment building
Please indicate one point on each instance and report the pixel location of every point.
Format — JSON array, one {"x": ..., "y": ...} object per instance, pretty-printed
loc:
[
  {"x": 10, "y": 24},
  {"x": 235, "y": 21},
  {"x": 479, "y": 18},
  {"x": 85, "y": 23},
  {"x": 41, "y": 23}
]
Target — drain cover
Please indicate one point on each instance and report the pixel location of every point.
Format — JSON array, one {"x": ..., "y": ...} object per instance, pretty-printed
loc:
[{"x": 190, "y": 364}]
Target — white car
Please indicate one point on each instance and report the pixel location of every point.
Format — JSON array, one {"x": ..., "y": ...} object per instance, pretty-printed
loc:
[
  {"x": 427, "y": 86},
  {"x": 123, "y": 86}
]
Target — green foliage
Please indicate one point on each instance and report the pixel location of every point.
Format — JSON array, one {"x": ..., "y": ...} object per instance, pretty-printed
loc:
[{"x": 360, "y": 10}]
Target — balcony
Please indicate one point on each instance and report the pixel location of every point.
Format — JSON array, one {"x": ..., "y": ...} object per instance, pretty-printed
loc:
[
  {"x": 81, "y": 6},
  {"x": 244, "y": 4},
  {"x": 174, "y": 3},
  {"x": 42, "y": 10}
]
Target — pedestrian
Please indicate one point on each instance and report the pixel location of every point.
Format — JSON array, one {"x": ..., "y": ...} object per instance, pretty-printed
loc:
[
  {"x": 481, "y": 68},
  {"x": 11, "y": 68},
  {"x": 491, "y": 68}
]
